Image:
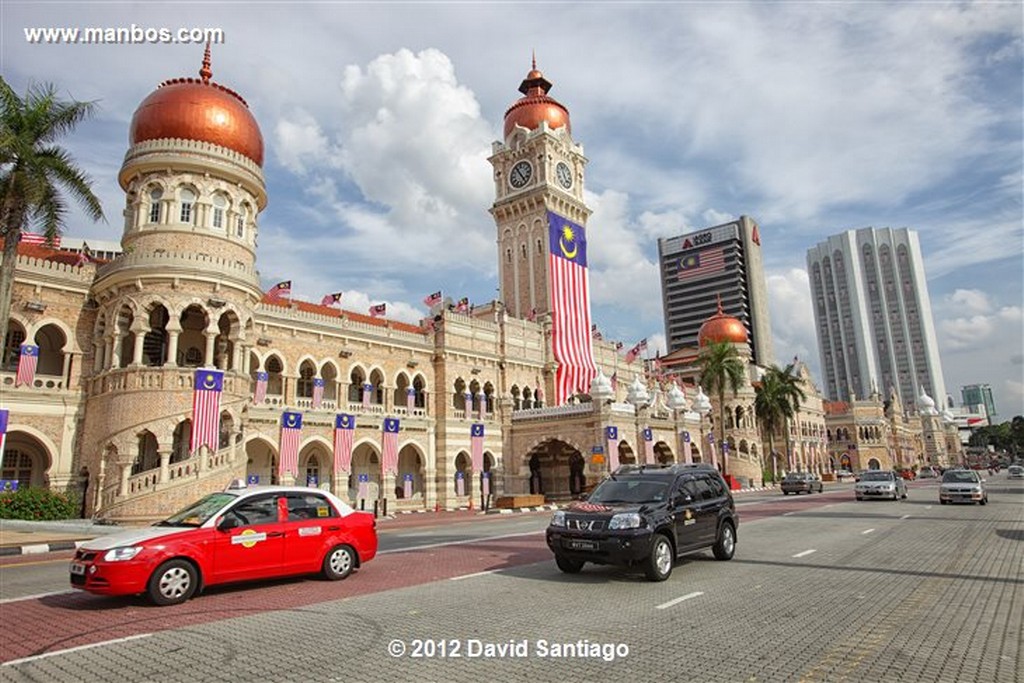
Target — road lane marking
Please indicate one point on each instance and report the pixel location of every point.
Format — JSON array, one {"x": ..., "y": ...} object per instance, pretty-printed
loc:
[
  {"x": 74, "y": 649},
  {"x": 469, "y": 576},
  {"x": 904, "y": 516},
  {"x": 866, "y": 531},
  {"x": 666, "y": 605},
  {"x": 805, "y": 553},
  {"x": 36, "y": 596},
  {"x": 482, "y": 539}
]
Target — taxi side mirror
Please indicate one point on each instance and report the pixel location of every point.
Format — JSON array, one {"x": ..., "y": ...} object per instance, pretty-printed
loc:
[{"x": 227, "y": 524}]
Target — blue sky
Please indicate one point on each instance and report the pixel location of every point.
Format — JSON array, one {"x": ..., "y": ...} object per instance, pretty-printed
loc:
[{"x": 813, "y": 118}]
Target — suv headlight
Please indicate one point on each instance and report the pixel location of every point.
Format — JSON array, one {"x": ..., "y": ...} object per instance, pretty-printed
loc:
[
  {"x": 121, "y": 554},
  {"x": 625, "y": 520},
  {"x": 558, "y": 519}
]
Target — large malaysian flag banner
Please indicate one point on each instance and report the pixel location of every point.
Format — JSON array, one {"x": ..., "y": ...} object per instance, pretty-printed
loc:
[
  {"x": 476, "y": 440},
  {"x": 318, "y": 392},
  {"x": 344, "y": 431},
  {"x": 389, "y": 445},
  {"x": 209, "y": 385},
  {"x": 291, "y": 435},
  {"x": 27, "y": 362},
  {"x": 570, "y": 309}
]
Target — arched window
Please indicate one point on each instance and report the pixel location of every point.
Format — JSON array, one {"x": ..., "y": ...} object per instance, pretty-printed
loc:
[
  {"x": 154, "y": 204},
  {"x": 188, "y": 199},
  {"x": 243, "y": 216},
  {"x": 17, "y": 466},
  {"x": 219, "y": 205}
]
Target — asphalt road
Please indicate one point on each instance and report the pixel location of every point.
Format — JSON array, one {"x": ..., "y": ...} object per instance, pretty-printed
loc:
[{"x": 822, "y": 588}]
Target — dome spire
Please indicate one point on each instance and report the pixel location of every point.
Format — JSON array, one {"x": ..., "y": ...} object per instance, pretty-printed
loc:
[
  {"x": 206, "y": 72},
  {"x": 533, "y": 61}
]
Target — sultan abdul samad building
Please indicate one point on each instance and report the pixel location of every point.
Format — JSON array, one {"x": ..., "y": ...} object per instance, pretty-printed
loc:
[{"x": 110, "y": 407}]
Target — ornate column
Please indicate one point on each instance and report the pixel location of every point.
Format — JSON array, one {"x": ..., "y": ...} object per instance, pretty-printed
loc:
[
  {"x": 114, "y": 344},
  {"x": 210, "y": 334},
  {"x": 165, "y": 465},
  {"x": 139, "y": 329},
  {"x": 173, "y": 330}
]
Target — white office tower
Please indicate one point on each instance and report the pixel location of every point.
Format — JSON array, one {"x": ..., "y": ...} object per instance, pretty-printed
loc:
[{"x": 873, "y": 315}]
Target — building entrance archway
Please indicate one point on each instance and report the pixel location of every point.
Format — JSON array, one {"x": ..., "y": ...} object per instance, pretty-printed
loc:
[{"x": 550, "y": 464}]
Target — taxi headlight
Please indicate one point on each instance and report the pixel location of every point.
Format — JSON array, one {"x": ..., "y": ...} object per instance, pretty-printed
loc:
[
  {"x": 121, "y": 554},
  {"x": 558, "y": 519},
  {"x": 625, "y": 520}
]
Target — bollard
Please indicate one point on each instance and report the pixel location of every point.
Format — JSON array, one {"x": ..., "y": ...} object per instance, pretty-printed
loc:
[{"x": 375, "y": 504}]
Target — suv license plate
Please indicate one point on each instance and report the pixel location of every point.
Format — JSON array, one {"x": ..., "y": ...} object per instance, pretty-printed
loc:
[
  {"x": 78, "y": 568},
  {"x": 582, "y": 545}
]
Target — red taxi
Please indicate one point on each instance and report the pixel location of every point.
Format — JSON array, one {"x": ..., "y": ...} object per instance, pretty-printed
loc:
[{"x": 239, "y": 534}]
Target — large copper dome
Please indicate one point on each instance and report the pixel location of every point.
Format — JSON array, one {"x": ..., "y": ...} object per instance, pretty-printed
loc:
[
  {"x": 722, "y": 328},
  {"x": 198, "y": 109},
  {"x": 535, "y": 106}
]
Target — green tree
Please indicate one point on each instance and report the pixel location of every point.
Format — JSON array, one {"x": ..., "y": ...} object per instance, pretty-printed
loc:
[
  {"x": 36, "y": 173},
  {"x": 777, "y": 400},
  {"x": 721, "y": 369}
]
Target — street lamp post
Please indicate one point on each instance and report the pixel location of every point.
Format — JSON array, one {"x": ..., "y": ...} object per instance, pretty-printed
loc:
[{"x": 702, "y": 404}]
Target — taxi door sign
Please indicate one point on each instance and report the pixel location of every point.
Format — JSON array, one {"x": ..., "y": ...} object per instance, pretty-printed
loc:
[{"x": 248, "y": 538}]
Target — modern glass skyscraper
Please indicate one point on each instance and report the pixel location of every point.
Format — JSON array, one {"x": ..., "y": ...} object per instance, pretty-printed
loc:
[
  {"x": 979, "y": 395},
  {"x": 873, "y": 316},
  {"x": 721, "y": 261}
]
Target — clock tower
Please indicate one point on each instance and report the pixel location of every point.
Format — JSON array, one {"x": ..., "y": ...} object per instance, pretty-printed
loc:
[{"x": 537, "y": 169}]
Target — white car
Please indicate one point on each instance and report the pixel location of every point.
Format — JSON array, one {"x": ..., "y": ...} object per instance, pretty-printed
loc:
[
  {"x": 880, "y": 484},
  {"x": 1015, "y": 472},
  {"x": 962, "y": 486}
]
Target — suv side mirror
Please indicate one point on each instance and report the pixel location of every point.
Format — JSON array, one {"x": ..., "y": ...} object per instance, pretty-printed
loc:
[{"x": 227, "y": 523}]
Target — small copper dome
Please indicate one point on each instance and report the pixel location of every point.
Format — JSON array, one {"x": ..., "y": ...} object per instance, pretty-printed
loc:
[
  {"x": 535, "y": 106},
  {"x": 722, "y": 328},
  {"x": 198, "y": 109}
]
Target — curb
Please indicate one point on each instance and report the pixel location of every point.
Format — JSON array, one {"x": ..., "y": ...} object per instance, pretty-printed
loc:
[{"x": 39, "y": 548}]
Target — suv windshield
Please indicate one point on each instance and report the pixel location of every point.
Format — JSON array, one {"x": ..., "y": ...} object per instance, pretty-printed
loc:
[
  {"x": 198, "y": 512},
  {"x": 960, "y": 476},
  {"x": 630, "y": 491},
  {"x": 876, "y": 476}
]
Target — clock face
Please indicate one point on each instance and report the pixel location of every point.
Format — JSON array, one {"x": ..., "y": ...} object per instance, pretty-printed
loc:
[
  {"x": 564, "y": 175},
  {"x": 521, "y": 174}
]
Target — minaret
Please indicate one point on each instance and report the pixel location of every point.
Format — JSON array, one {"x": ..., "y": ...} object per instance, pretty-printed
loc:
[{"x": 541, "y": 223}]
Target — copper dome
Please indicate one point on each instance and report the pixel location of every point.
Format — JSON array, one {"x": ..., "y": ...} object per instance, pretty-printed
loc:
[
  {"x": 198, "y": 109},
  {"x": 722, "y": 328},
  {"x": 535, "y": 106}
]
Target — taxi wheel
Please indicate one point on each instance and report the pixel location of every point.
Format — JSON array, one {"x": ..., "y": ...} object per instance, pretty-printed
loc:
[
  {"x": 339, "y": 563},
  {"x": 172, "y": 583}
]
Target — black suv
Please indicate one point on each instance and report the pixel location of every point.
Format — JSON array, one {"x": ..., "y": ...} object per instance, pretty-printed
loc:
[{"x": 647, "y": 515}]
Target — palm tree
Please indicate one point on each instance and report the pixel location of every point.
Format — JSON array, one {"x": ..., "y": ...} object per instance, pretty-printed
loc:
[
  {"x": 721, "y": 368},
  {"x": 35, "y": 171},
  {"x": 777, "y": 400}
]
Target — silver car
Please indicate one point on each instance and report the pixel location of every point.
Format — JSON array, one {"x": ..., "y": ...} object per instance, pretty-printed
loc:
[
  {"x": 880, "y": 484},
  {"x": 962, "y": 486}
]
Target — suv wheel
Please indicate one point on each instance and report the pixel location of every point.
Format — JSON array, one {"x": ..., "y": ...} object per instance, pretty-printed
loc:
[
  {"x": 725, "y": 546},
  {"x": 569, "y": 566},
  {"x": 659, "y": 564}
]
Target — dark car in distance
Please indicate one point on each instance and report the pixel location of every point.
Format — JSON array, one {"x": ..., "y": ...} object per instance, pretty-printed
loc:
[
  {"x": 647, "y": 516},
  {"x": 800, "y": 482}
]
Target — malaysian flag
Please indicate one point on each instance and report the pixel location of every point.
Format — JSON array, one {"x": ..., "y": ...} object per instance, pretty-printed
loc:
[
  {"x": 378, "y": 310},
  {"x": 35, "y": 238},
  {"x": 640, "y": 347},
  {"x": 410, "y": 398},
  {"x": 27, "y": 363},
  {"x": 611, "y": 435},
  {"x": 331, "y": 299},
  {"x": 3, "y": 430},
  {"x": 648, "y": 445},
  {"x": 570, "y": 309},
  {"x": 595, "y": 332},
  {"x": 701, "y": 263},
  {"x": 261, "y": 387},
  {"x": 85, "y": 256},
  {"x": 432, "y": 299},
  {"x": 687, "y": 452},
  {"x": 711, "y": 447},
  {"x": 318, "y": 392},
  {"x": 476, "y": 440},
  {"x": 367, "y": 391},
  {"x": 291, "y": 434},
  {"x": 389, "y": 445},
  {"x": 460, "y": 483},
  {"x": 344, "y": 432},
  {"x": 209, "y": 384},
  {"x": 468, "y": 397},
  {"x": 281, "y": 289},
  {"x": 463, "y": 305},
  {"x": 482, "y": 400}
]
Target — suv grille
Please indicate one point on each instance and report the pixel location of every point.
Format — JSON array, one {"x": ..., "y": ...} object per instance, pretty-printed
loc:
[{"x": 581, "y": 524}]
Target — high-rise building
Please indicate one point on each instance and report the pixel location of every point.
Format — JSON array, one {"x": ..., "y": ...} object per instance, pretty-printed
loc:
[
  {"x": 873, "y": 316},
  {"x": 699, "y": 267},
  {"x": 979, "y": 395}
]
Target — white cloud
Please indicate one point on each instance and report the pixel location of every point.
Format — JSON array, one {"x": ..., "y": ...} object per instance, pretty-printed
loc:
[
  {"x": 792, "y": 317},
  {"x": 301, "y": 142},
  {"x": 971, "y": 300}
]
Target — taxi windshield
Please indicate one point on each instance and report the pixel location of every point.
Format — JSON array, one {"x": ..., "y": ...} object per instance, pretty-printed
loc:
[{"x": 198, "y": 512}]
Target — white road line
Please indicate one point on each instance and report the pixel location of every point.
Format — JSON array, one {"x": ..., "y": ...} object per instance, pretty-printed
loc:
[
  {"x": 904, "y": 516},
  {"x": 805, "y": 553},
  {"x": 786, "y": 514},
  {"x": 74, "y": 649},
  {"x": 36, "y": 596},
  {"x": 867, "y": 531},
  {"x": 463, "y": 542},
  {"x": 666, "y": 605},
  {"x": 469, "y": 576}
]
